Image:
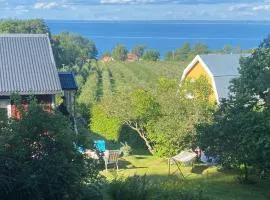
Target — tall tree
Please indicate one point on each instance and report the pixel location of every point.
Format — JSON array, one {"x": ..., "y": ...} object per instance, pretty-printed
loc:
[
  {"x": 34, "y": 26},
  {"x": 39, "y": 159},
  {"x": 200, "y": 48},
  {"x": 74, "y": 49},
  {"x": 119, "y": 52},
  {"x": 135, "y": 110},
  {"x": 151, "y": 55},
  {"x": 175, "y": 129},
  {"x": 139, "y": 50},
  {"x": 183, "y": 52},
  {"x": 239, "y": 134}
]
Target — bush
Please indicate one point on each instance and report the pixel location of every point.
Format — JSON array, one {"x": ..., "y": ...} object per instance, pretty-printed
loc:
[
  {"x": 39, "y": 159},
  {"x": 126, "y": 149},
  {"x": 105, "y": 125},
  {"x": 133, "y": 188},
  {"x": 151, "y": 55},
  {"x": 174, "y": 189},
  {"x": 141, "y": 188},
  {"x": 120, "y": 52}
]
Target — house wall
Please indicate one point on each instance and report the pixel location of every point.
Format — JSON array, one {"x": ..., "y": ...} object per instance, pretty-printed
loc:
[
  {"x": 198, "y": 71},
  {"x": 5, "y": 103},
  {"x": 46, "y": 101}
]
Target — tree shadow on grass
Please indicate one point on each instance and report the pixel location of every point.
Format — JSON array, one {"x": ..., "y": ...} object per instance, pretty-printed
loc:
[
  {"x": 199, "y": 168},
  {"x": 123, "y": 165}
]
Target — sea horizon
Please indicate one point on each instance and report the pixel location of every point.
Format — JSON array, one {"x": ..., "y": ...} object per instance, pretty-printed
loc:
[{"x": 166, "y": 35}]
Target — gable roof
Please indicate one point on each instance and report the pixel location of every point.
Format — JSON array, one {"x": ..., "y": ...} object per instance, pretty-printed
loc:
[
  {"x": 67, "y": 81},
  {"x": 222, "y": 65},
  {"x": 222, "y": 68},
  {"x": 27, "y": 65}
]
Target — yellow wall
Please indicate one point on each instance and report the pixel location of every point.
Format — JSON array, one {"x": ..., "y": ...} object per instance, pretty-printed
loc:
[{"x": 198, "y": 71}]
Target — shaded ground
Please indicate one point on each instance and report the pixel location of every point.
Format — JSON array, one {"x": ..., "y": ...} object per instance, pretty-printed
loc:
[{"x": 214, "y": 183}]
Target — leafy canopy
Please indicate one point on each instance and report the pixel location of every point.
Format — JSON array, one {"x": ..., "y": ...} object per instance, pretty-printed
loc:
[{"x": 39, "y": 159}]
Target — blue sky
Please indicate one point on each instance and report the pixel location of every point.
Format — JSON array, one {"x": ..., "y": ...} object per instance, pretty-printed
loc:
[{"x": 137, "y": 9}]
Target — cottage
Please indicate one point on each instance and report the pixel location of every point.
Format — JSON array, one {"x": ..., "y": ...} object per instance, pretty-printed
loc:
[
  {"x": 218, "y": 69},
  {"x": 27, "y": 67}
]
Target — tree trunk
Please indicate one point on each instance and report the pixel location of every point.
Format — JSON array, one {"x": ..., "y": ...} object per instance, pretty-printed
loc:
[
  {"x": 141, "y": 133},
  {"x": 149, "y": 147}
]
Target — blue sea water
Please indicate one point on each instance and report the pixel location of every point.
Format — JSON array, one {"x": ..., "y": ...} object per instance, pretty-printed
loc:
[{"x": 165, "y": 36}]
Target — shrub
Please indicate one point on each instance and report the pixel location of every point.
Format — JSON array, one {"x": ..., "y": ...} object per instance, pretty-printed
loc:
[
  {"x": 105, "y": 125},
  {"x": 174, "y": 189},
  {"x": 119, "y": 52},
  {"x": 151, "y": 55},
  {"x": 133, "y": 188},
  {"x": 126, "y": 149},
  {"x": 39, "y": 159},
  {"x": 141, "y": 188}
]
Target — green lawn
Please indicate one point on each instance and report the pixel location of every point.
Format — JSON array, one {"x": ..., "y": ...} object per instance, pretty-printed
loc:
[{"x": 215, "y": 184}]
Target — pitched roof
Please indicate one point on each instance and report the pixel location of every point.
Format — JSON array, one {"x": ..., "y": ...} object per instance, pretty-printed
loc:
[
  {"x": 67, "y": 81},
  {"x": 223, "y": 68},
  {"x": 222, "y": 65},
  {"x": 27, "y": 65}
]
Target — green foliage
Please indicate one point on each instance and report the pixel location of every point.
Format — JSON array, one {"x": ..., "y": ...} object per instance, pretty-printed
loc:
[
  {"x": 126, "y": 149},
  {"x": 200, "y": 48},
  {"x": 241, "y": 125},
  {"x": 183, "y": 52},
  {"x": 120, "y": 52},
  {"x": 139, "y": 50},
  {"x": 228, "y": 49},
  {"x": 119, "y": 80},
  {"x": 172, "y": 189},
  {"x": 104, "y": 124},
  {"x": 141, "y": 187},
  {"x": 151, "y": 55},
  {"x": 175, "y": 129},
  {"x": 39, "y": 159},
  {"x": 33, "y": 26},
  {"x": 3, "y": 115},
  {"x": 74, "y": 49},
  {"x": 186, "y": 52},
  {"x": 133, "y": 188}
]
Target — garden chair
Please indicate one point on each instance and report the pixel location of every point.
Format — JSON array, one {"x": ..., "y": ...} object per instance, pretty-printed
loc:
[
  {"x": 111, "y": 157},
  {"x": 100, "y": 145}
]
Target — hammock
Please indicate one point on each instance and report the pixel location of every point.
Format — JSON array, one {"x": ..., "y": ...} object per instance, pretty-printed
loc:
[{"x": 186, "y": 157}]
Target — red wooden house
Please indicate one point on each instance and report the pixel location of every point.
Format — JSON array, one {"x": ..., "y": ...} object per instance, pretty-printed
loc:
[{"x": 27, "y": 67}]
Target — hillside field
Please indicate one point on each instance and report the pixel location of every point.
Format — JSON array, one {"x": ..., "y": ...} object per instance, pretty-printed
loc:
[{"x": 107, "y": 78}]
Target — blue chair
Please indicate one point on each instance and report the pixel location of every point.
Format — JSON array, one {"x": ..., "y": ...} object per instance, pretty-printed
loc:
[{"x": 100, "y": 145}]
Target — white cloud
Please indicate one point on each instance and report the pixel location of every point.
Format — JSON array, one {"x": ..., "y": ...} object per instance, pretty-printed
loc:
[
  {"x": 45, "y": 5},
  {"x": 237, "y": 7},
  {"x": 265, "y": 7}
]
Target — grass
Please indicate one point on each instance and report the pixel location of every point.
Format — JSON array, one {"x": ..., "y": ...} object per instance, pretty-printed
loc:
[
  {"x": 124, "y": 76},
  {"x": 218, "y": 185}
]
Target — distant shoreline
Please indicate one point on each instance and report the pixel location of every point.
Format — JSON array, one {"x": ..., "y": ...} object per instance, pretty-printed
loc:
[{"x": 163, "y": 21}]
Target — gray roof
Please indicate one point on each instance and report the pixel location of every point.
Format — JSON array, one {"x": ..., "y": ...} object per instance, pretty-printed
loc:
[
  {"x": 224, "y": 68},
  {"x": 27, "y": 65}
]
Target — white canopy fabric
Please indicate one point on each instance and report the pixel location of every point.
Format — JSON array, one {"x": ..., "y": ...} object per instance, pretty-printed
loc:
[{"x": 185, "y": 157}]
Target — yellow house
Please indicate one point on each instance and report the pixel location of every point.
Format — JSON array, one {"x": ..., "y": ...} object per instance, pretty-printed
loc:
[{"x": 219, "y": 69}]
